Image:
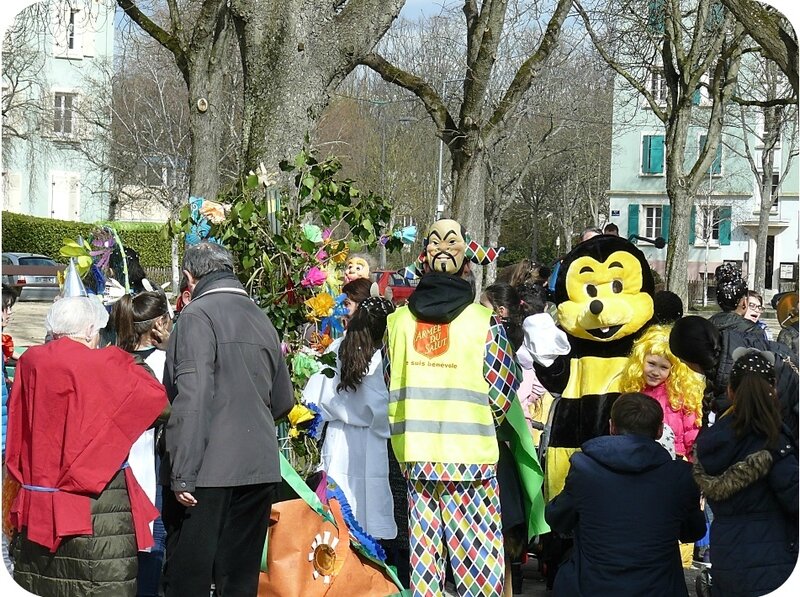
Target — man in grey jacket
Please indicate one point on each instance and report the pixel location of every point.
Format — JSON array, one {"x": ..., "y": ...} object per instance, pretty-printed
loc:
[{"x": 228, "y": 382}]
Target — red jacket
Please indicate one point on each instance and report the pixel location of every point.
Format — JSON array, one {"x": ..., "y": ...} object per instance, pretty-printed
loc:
[{"x": 73, "y": 415}]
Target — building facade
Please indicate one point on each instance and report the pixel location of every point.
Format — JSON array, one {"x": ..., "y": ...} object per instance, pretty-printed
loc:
[
  {"x": 724, "y": 220},
  {"x": 57, "y": 57}
]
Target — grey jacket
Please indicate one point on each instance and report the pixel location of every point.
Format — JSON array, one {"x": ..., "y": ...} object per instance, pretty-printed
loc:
[{"x": 227, "y": 380}]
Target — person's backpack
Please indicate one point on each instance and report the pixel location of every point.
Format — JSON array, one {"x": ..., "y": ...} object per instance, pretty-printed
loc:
[{"x": 785, "y": 370}]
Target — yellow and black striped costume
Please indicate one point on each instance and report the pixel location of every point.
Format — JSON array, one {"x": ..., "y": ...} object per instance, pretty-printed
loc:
[{"x": 604, "y": 294}]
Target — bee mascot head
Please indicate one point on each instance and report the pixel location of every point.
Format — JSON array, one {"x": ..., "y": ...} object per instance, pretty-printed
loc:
[{"x": 604, "y": 294}]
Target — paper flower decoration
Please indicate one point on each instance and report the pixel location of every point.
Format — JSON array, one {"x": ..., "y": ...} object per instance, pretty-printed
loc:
[
  {"x": 312, "y": 232},
  {"x": 314, "y": 277},
  {"x": 267, "y": 179},
  {"x": 320, "y": 342},
  {"x": 304, "y": 418},
  {"x": 319, "y": 306},
  {"x": 323, "y": 556},
  {"x": 407, "y": 234},
  {"x": 215, "y": 212},
  {"x": 332, "y": 324},
  {"x": 304, "y": 364},
  {"x": 200, "y": 227}
]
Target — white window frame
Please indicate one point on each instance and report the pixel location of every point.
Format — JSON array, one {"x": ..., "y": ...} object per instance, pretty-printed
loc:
[
  {"x": 75, "y": 128},
  {"x": 657, "y": 85},
  {"x": 68, "y": 30},
  {"x": 651, "y": 221},
  {"x": 702, "y": 214}
]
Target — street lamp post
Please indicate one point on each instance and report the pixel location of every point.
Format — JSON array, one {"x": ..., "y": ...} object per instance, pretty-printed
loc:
[{"x": 439, "y": 208}]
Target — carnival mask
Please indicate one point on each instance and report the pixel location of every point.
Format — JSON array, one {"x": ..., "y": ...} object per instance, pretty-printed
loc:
[
  {"x": 357, "y": 267},
  {"x": 445, "y": 247}
]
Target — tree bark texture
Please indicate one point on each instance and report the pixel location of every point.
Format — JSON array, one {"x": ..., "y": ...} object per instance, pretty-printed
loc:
[{"x": 294, "y": 53}]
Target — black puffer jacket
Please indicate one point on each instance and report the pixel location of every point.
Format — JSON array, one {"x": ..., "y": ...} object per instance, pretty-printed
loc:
[
  {"x": 753, "y": 493},
  {"x": 101, "y": 565}
]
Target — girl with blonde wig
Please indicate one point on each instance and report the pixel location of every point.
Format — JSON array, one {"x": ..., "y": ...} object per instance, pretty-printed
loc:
[{"x": 653, "y": 370}]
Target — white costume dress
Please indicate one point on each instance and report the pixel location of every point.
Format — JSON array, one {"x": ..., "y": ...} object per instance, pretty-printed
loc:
[{"x": 355, "y": 452}]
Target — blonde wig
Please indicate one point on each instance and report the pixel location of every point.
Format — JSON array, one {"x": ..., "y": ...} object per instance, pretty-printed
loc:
[{"x": 684, "y": 386}]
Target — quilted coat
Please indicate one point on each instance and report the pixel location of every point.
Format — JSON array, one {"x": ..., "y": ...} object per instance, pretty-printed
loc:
[
  {"x": 753, "y": 493},
  {"x": 101, "y": 565}
]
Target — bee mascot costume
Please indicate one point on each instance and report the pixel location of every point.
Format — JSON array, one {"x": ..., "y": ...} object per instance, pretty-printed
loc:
[{"x": 604, "y": 295}]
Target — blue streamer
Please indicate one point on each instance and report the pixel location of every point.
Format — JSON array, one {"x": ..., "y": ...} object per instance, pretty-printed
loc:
[{"x": 367, "y": 541}]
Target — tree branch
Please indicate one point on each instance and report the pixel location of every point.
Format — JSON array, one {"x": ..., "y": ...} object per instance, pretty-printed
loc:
[
  {"x": 170, "y": 42},
  {"x": 419, "y": 87},
  {"x": 522, "y": 79}
]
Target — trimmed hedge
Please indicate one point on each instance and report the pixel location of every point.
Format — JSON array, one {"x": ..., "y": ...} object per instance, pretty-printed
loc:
[{"x": 29, "y": 234}]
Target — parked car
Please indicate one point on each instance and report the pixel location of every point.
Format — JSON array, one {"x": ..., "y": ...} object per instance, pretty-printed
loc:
[
  {"x": 38, "y": 285},
  {"x": 400, "y": 287}
]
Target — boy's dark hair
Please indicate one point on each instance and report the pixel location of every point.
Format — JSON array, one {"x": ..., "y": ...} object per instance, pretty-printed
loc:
[
  {"x": 611, "y": 228},
  {"x": 637, "y": 413},
  {"x": 9, "y": 296},
  {"x": 534, "y": 298}
]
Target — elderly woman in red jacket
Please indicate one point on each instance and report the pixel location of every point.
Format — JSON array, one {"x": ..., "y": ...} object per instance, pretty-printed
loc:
[{"x": 74, "y": 413}]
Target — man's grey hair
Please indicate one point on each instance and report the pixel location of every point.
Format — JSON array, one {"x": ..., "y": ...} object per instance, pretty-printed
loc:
[
  {"x": 78, "y": 316},
  {"x": 205, "y": 258}
]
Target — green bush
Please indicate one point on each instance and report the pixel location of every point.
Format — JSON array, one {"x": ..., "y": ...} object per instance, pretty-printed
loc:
[{"x": 29, "y": 234}]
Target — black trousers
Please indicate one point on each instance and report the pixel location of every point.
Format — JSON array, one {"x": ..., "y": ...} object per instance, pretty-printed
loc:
[{"x": 219, "y": 540}]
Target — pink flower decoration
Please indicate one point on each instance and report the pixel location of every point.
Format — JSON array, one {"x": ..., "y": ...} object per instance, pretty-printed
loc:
[
  {"x": 321, "y": 255},
  {"x": 326, "y": 234},
  {"x": 314, "y": 277}
]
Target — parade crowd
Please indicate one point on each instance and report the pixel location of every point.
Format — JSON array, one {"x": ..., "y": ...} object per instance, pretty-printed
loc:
[{"x": 574, "y": 413}]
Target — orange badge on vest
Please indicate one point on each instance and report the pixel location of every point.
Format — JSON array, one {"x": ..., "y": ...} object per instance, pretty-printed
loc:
[{"x": 431, "y": 339}]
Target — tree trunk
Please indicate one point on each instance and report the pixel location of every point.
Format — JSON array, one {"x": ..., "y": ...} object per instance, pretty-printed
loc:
[
  {"x": 467, "y": 207},
  {"x": 174, "y": 265},
  {"x": 772, "y": 132},
  {"x": 294, "y": 53},
  {"x": 678, "y": 246},
  {"x": 206, "y": 130}
]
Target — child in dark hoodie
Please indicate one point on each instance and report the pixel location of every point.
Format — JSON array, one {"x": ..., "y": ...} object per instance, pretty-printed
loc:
[{"x": 614, "y": 481}]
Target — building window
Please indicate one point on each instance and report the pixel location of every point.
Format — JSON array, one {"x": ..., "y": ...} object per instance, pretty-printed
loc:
[
  {"x": 653, "y": 154},
  {"x": 658, "y": 86},
  {"x": 776, "y": 180},
  {"x": 653, "y": 215},
  {"x": 711, "y": 224},
  {"x": 71, "y": 30},
  {"x": 64, "y": 114}
]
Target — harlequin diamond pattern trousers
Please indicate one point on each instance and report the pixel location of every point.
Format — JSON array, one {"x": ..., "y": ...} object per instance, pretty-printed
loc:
[{"x": 460, "y": 519}]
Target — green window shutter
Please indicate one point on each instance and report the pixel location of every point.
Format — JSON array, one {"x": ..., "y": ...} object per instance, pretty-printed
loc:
[
  {"x": 692, "y": 224},
  {"x": 646, "y": 154},
  {"x": 725, "y": 225},
  {"x": 633, "y": 219},
  {"x": 665, "y": 221},
  {"x": 657, "y": 154},
  {"x": 697, "y": 97},
  {"x": 716, "y": 165},
  {"x": 655, "y": 16}
]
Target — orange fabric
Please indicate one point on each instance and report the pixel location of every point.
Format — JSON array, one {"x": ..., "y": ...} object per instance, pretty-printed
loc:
[{"x": 293, "y": 529}]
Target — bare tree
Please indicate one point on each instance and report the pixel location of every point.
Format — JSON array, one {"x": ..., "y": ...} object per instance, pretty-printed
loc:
[
  {"x": 666, "y": 51},
  {"x": 480, "y": 122},
  {"x": 767, "y": 139},
  {"x": 203, "y": 52},
  {"x": 24, "y": 79}
]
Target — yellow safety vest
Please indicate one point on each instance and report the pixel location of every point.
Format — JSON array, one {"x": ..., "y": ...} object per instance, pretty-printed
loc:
[{"x": 438, "y": 396}]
